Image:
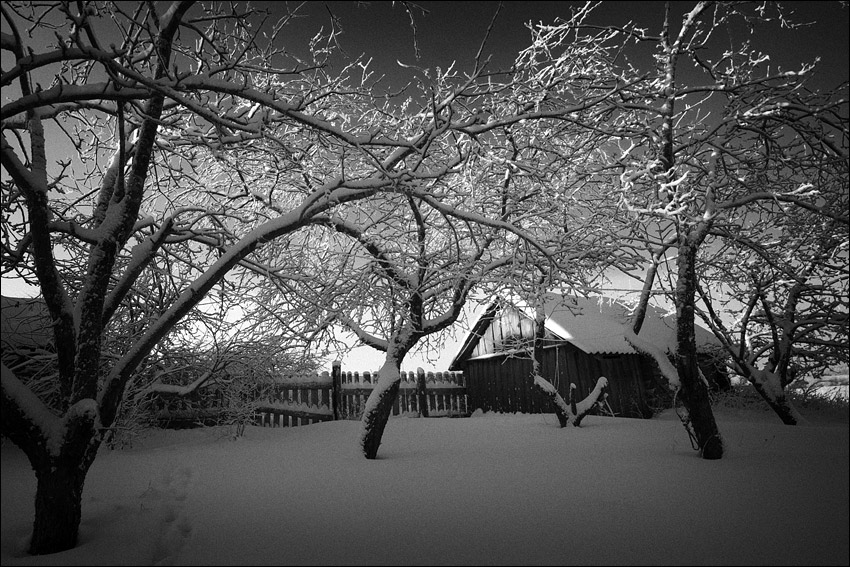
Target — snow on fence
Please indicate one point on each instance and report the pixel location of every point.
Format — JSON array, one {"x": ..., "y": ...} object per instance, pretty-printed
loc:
[
  {"x": 301, "y": 400},
  {"x": 342, "y": 394}
]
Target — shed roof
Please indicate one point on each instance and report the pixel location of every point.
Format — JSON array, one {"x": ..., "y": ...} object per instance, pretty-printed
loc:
[{"x": 596, "y": 325}]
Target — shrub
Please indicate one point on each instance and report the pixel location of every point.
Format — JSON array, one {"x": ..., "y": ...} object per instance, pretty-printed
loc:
[{"x": 810, "y": 401}]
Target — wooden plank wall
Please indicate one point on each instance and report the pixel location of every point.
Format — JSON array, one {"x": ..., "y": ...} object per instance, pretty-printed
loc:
[{"x": 504, "y": 383}]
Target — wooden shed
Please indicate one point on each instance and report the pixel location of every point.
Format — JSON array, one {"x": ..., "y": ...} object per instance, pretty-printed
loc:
[{"x": 584, "y": 340}]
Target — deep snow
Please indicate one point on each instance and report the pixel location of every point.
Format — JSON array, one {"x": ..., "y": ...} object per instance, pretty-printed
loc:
[{"x": 496, "y": 489}]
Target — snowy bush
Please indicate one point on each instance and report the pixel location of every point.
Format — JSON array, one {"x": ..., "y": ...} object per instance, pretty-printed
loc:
[{"x": 809, "y": 399}]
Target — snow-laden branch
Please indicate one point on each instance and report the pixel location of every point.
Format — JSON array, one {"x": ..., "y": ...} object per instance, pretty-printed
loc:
[
  {"x": 362, "y": 334},
  {"x": 595, "y": 397},
  {"x": 372, "y": 247},
  {"x": 660, "y": 358},
  {"x": 572, "y": 413},
  {"x": 483, "y": 220},
  {"x": 562, "y": 409},
  {"x": 23, "y": 411},
  {"x": 70, "y": 95},
  {"x": 787, "y": 198},
  {"x": 336, "y": 192},
  {"x": 141, "y": 257},
  {"x": 177, "y": 390}
]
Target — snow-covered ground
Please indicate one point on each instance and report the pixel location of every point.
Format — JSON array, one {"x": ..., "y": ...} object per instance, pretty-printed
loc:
[{"x": 495, "y": 489}]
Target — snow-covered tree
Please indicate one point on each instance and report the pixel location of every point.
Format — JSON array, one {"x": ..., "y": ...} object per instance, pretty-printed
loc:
[
  {"x": 783, "y": 286},
  {"x": 707, "y": 131},
  {"x": 151, "y": 88},
  {"x": 568, "y": 412},
  {"x": 397, "y": 270},
  {"x": 411, "y": 271},
  {"x": 495, "y": 191},
  {"x": 138, "y": 132}
]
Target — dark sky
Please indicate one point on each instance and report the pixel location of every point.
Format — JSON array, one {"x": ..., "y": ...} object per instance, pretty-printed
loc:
[{"x": 454, "y": 30}]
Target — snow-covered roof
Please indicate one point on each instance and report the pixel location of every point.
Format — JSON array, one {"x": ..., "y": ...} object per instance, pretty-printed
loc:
[{"x": 596, "y": 325}]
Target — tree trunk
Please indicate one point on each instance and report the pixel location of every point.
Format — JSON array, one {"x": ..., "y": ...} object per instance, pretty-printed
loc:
[
  {"x": 558, "y": 404},
  {"x": 597, "y": 396},
  {"x": 778, "y": 402},
  {"x": 694, "y": 395},
  {"x": 541, "y": 383},
  {"x": 380, "y": 405},
  {"x": 694, "y": 391},
  {"x": 375, "y": 419},
  {"x": 60, "y": 451},
  {"x": 771, "y": 388},
  {"x": 58, "y": 507},
  {"x": 783, "y": 408}
]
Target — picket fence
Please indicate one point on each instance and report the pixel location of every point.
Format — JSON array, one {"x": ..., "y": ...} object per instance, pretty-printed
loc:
[{"x": 342, "y": 394}]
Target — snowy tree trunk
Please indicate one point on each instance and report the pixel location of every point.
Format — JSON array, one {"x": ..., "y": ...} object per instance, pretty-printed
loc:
[
  {"x": 581, "y": 409},
  {"x": 58, "y": 506},
  {"x": 567, "y": 413},
  {"x": 542, "y": 384},
  {"x": 781, "y": 405},
  {"x": 767, "y": 384},
  {"x": 60, "y": 450},
  {"x": 694, "y": 390},
  {"x": 60, "y": 473},
  {"x": 379, "y": 405},
  {"x": 574, "y": 412},
  {"x": 561, "y": 409}
]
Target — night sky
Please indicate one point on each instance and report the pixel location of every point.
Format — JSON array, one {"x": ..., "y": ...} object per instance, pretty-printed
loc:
[{"x": 452, "y": 31}]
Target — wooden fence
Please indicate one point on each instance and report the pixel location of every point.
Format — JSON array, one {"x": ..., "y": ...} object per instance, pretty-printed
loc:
[
  {"x": 343, "y": 394},
  {"x": 306, "y": 399}
]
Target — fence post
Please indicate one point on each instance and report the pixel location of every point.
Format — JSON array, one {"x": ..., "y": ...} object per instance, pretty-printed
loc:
[
  {"x": 336, "y": 387},
  {"x": 421, "y": 395}
]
